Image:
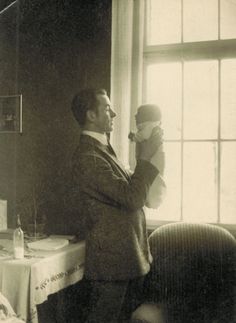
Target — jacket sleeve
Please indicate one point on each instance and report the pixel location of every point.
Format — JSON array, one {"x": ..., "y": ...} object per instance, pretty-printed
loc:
[{"x": 95, "y": 177}]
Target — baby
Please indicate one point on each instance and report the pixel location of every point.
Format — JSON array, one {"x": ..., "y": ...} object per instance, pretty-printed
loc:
[{"x": 148, "y": 119}]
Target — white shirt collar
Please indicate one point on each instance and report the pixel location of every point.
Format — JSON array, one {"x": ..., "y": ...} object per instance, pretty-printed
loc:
[{"x": 102, "y": 138}]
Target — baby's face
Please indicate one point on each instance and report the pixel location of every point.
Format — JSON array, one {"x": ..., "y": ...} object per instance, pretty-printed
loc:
[{"x": 137, "y": 118}]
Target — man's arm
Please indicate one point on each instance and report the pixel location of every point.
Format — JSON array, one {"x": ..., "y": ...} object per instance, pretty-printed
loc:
[{"x": 96, "y": 178}]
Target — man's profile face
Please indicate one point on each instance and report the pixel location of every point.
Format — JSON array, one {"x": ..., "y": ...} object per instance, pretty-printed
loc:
[{"x": 104, "y": 115}]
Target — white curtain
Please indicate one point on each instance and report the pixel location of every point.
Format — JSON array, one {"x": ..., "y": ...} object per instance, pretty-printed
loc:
[{"x": 126, "y": 70}]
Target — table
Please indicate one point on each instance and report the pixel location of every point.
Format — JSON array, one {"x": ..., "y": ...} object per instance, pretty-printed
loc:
[{"x": 28, "y": 282}]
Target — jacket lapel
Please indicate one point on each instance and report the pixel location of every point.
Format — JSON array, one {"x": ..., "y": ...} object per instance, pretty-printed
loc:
[{"x": 107, "y": 152}]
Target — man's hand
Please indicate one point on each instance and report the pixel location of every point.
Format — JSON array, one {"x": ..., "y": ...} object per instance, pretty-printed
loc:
[{"x": 147, "y": 148}]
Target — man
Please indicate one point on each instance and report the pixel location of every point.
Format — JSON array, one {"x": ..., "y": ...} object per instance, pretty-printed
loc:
[{"x": 110, "y": 201}]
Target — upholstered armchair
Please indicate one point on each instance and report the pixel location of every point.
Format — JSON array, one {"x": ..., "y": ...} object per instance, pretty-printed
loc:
[{"x": 192, "y": 278}]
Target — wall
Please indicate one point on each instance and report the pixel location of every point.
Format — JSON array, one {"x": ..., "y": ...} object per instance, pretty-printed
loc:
[
  {"x": 8, "y": 86},
  {"x": 63, "y": 46}
]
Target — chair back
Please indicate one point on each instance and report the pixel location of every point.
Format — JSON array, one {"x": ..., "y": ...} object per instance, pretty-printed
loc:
[{"x": 193, "y": 272}]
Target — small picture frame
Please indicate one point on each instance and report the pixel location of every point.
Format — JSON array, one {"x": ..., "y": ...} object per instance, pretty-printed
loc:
[{"x": 11, "y": 114}]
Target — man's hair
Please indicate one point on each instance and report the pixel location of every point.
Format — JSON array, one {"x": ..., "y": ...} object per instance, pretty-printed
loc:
[{"x": 83, "y": 101}]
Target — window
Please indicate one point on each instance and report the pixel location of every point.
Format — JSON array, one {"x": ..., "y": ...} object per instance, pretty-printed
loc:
[
  {"x": 189, "y": 70},
  {"x": 181, "y": 55}
]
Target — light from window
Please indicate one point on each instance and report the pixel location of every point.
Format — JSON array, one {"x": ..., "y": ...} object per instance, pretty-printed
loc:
[
  {"x": 228, "y": 182},
  {"x": 194, "y": 122},
  {"x": 228, "y": 99},
  {"x": 167, "y": 28},
  {"x": 200, "y": 181},
  {"x": 201, "y": 100},
  {"x": 200, "y": 20},
  {"x": 164, "y": 88},
  {"x": 228, "y": 19},
  {"x": 193, "y": 80}
]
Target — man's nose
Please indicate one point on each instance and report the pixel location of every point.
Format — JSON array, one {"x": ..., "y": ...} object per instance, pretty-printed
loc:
[{"x": 112, "y": 113}]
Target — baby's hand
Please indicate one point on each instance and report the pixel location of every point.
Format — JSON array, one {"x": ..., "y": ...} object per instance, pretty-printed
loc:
[{"x": 131, "y": 136}]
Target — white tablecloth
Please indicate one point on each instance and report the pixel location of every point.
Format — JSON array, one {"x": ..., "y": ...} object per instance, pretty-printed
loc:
[{"x": 28, "y": 282}]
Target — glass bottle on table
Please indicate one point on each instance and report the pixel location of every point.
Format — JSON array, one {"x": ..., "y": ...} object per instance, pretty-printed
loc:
[{"x": 18, "y": 240}]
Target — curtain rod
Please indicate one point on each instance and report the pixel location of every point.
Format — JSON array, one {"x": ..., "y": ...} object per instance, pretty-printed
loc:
[{"x": 5, "y": 9}]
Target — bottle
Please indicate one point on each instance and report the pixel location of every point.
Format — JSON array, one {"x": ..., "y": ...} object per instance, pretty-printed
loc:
[{"x": 18, "y": 240}]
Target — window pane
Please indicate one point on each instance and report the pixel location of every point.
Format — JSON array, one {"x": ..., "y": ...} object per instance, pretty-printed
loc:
[
  {"x": 228, "y": 99},
  {"x": 200, "y": 100},
  {"x": 228, "y": 19},
  {"x": 199, "y": 181},
  {"x": 228, "y": 182},
  {"x": 164, "y": 88},
  {"x": 200, "y": 20},
  {"x": 170, "y": 208},
  {"x": 163, "y": 22}
]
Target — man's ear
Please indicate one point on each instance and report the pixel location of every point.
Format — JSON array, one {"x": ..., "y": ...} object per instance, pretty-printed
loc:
[{"x": 91, "y": 115}]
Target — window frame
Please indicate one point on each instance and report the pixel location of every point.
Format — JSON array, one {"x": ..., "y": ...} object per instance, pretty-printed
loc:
[{"x": 184, "y": 52}]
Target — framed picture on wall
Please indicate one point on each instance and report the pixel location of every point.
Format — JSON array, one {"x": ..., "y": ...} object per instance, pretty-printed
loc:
[{"x": 11, "y": 113}]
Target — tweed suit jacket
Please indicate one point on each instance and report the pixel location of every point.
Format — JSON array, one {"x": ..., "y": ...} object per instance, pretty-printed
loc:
[{"x": 110, "y": 202}]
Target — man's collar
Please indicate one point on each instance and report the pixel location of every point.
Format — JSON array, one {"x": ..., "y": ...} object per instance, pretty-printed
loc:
[{"x": 102, "y": 138}]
